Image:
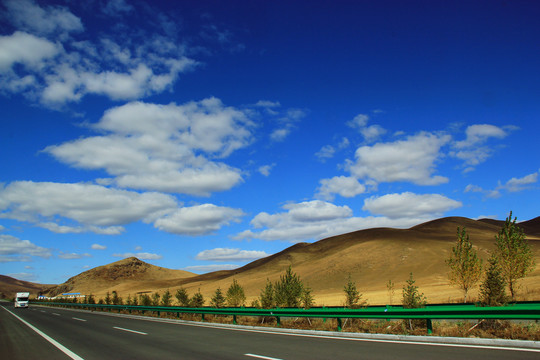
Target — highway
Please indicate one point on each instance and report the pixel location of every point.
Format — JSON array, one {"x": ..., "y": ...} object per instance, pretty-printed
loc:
[{"x": 88, "y": 335}]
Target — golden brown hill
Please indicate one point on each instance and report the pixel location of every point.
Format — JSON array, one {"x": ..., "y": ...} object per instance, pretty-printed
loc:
[
  {"x": 9, "y": 286},
  {"x": 372, "y": 257},
  {"x": 129, "y": 272}
]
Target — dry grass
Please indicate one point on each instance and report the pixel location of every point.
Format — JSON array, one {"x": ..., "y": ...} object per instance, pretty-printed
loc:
[{"x": 492, "y": 329}]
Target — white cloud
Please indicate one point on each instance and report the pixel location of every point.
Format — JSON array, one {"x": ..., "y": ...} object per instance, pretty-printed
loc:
[
  {"x": 315, "y": 220},
  {"x": 27, "y": 15},
  {"x": 473, "y": 150},
  {"x": 140, "y": 256},
  {"x": 117, "y": 7},
  {"x": 225, "y": 254},
  {"x": 198, "y": 220},
  {"x": 25, "y": 49},
  {"x": 359, "y": 121},
  {"x": 265, "y": 169},
  {"x": 370, "y": 133},
  {"x": 326, "y": 152},
  {"x": 72, "y": 256},
  {"x": 411, "y": 160},
  {"x": 149, "y": 63},
  {"x": 164, "y": 147},
  {"x": 210, "y": 268},
  {"x": 98, "y": 247},
  {"x": 342, "y": 185},
  {"x": 24, "y": 276},
  {"x": 410, "y": 205},
  {"x": 520, "y": 184},
  {"x": 15, "y": 249},
  {"x": 91, "y": 206}
]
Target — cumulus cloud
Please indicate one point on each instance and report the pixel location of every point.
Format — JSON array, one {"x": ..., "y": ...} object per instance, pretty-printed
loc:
[
  {"x": 410, "y": 160},
  {"x": 226, "y": 254},
  {"x": 407, "y": 204},
  {"x": 87, "y": 204},
  {"x": 370, "y": 133},
  {"x": 198, "y": 220},
  {"x": 72, "y": 256},
  {"x": 473, "y": 150},
  {"x": 139, "y": 255},
  {"x": 342, "y": 185},
  {"x": 14, "y": 249},
  {"x": 164, "y": 147},
  {"x": 98, "y": 247},
  {"x": 95, "y": 208},
  {"x": 24, "y": 276},
  {"x": 62, "y": 65},
  {"x": 265, "y": 169},
  {"x": 513, "y": 185},
  {"x": 315, "y": 220}
]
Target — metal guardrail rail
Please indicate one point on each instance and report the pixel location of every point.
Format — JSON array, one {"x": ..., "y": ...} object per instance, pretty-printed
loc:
[{"x": 527, "y": 311}]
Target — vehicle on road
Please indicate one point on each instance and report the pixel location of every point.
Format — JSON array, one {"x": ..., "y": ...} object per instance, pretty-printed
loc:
[{"x": 21, "y": 299}]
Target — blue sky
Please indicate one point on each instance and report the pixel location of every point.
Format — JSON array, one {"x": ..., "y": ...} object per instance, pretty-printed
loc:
[{"x": 204, "y": 135}]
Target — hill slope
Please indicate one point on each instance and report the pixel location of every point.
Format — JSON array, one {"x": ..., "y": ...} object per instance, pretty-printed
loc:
[
  {"x": 9, "y": 286},
  {"x": 372, "y": 257}
]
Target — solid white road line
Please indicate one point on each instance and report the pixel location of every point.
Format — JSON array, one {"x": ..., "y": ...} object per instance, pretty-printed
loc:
[
  {"x": 261, "y": 357},
  {"x": 59, "y": 346},
  {"x": 133, "y": 331},
  {"x": 56, "y": 314},
  {"x": 78, "y": 319}
]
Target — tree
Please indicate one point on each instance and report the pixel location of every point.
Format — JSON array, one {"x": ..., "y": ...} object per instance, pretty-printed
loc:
[
  {"x": 182, "y": 297},
  {"x": 108, "y": 298},
  {"x": 267, "y": 296},
  {"x": 513, "y": 254},
  {"x": 288, "y": 289},
  {"x": 116, "y": 300},
  {"x": 166, "y": 299},
  {"x": 135, "y": 302},
  {"x": 493, "y": 289},
  {"x": 155, "y": 299},
  {"x": 412, "y": 298},
  {"x": 129, "y": 301},
  {"x": 197, "y": 300},
  {"x": 91, "y": 299},
  {"x": 352, "y": 295},
  {"x": 465, "y": 265},
  {"x": 218, "y": 300},
  {"x": 145, "y": 300},
  {"x": 235, "y": 295},
  {"x": 307, "y": 297},
  {"x": 390, "y": 287}
]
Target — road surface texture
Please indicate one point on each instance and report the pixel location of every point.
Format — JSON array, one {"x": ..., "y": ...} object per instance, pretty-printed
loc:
[{"x": 54, "y": 333}]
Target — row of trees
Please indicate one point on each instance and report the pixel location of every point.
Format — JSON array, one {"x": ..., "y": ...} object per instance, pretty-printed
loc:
[{"x": 511, "y": 261}]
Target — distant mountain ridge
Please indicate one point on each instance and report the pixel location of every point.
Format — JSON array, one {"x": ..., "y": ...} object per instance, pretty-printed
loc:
[{"x": 372, "y": 257}]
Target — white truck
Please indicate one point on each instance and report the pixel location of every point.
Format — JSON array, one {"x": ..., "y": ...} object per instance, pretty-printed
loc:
[{"x": 21, "y": 299}]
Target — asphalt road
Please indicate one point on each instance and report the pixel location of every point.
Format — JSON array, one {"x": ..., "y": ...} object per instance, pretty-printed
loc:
[{"x": 90, "y": 335}]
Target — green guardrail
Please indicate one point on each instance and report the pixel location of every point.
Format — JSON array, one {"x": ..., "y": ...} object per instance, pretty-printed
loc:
[{"x": 529, "y": 311}]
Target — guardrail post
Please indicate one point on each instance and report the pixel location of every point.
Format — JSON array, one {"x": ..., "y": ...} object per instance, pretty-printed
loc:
[
  {"x": 234, "y": 319},
  {"x": 278, "y": 324},
  {"x": 338, "y": 324},
  {"x": 202, "y": 317},
  {"x": 429, "y": 326}
]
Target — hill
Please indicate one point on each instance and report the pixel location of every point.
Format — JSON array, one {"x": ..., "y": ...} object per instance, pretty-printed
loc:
[
  {"x": 9, "y": 286},
  {"x": 372, "y": 257}
]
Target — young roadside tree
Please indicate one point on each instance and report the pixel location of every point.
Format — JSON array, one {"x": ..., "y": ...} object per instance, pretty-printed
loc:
[
  {"x": 129, "y": 301},
  {"x": 155, "y": 299},
  {"x": 197, "y": 300},
  {"x": 493, "y": 289},
  {"x": 108, "y": 299},
  {"x": 514, "y": 254},
  {"x": 288, "y": 289},
  {"x": 465, "y": 265},
  {"x": 352, "y": 295},
  {"x": 412, "y": 298},
  {"x": 235, "y": 295},
  {"x": 91, "y": 299},
  {"x": 116, "y": 300},
  {"x": 307, "y": 298},
  {"x": 166, "y": 299},
  {"x": 182, "y": 297},
  {"x": 145, "y": 300},
  {"x": 266, "y": 298},
  {"x": 218, "y": 300},
  {"x": 135, "y": 302}
]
